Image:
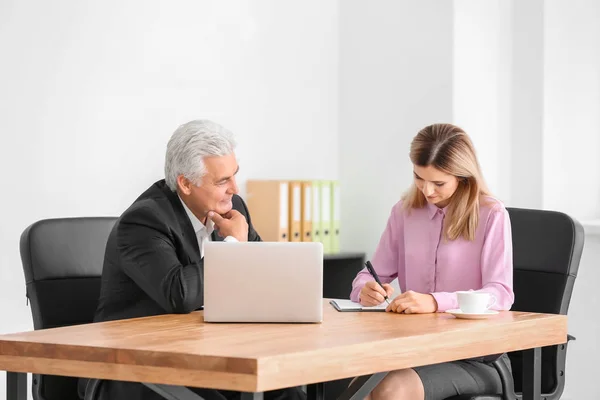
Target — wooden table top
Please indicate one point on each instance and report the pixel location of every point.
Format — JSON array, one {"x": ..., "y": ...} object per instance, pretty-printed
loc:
[{"x": 184, "y": 350}]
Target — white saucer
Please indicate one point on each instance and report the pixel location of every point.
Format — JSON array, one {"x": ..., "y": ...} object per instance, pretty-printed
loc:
[{"x": 459, "y": 314}]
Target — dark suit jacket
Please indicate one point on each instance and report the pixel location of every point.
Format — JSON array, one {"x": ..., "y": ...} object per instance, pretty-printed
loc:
[{"x": 152, "y": 266}]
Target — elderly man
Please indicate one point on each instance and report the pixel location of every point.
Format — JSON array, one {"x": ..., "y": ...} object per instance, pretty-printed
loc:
[{"x": 154, "y": 255}]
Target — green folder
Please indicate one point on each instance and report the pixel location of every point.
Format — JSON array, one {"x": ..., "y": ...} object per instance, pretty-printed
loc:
[
  {"x": 316, "y": 211},
  {"x": 335, "y": 217},
  {"x": 326, "y": 216}
]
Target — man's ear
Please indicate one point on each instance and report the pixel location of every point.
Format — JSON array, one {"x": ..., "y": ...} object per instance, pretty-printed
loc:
[{"x": 184, "y": 185}]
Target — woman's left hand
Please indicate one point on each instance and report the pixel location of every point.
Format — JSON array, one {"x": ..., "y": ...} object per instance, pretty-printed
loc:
[{"x": 413, "y": 303}]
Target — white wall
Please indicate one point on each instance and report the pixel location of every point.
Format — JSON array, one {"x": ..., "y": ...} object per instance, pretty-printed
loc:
[
  {"x": 395, "y": 78},
  {"x": 498, "y": 93},
  {"x": 527, "y": 89},
  {"x": 481, "y": 95},
  {"x": 582, "y": 371},
  {"x": 91, "y": 92},
  {"x": 571, "y": 165},
  {"x": 572, "y": 107},
  {"x": 523, "y": 163}
]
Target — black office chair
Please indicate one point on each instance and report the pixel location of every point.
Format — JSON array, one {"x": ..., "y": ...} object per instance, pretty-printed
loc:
[
  {"x": 62, "y": 261},
  {"x": 547, "y": 247}
]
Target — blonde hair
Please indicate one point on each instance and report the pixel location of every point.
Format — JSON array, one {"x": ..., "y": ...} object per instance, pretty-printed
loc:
[{"x": 449, "y": 149}]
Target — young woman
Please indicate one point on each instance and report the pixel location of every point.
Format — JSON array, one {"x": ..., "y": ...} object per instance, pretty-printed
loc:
[{"x": 447, "y": 234}]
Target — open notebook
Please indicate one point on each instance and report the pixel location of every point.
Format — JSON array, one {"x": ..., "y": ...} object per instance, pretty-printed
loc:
[{"x": 348, "y": 305}]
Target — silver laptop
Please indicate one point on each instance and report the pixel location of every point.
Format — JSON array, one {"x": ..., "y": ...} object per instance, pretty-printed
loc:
[{"x": 263, "y": 282}]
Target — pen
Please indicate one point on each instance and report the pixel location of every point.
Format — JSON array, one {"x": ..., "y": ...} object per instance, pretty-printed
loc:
[{"x": 376, "y": 277}]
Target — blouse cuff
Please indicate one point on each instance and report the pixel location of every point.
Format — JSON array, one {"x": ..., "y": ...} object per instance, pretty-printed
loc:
[{"x": 445, "y": 301}]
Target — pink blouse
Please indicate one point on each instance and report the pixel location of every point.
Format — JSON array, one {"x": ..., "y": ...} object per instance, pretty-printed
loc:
[{"x": 412, "y": 249}]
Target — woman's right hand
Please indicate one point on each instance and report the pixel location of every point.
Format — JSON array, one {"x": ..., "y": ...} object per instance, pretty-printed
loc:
[{"x": 373, "y": 295}]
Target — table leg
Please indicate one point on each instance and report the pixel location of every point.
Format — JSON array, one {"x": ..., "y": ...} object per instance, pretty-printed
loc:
[
  {"x": 315, "y": 391},
  {"x": 16, "y": 386},
  {"x": 532, "y": 374},
  {"x": 362, "y": 386}
]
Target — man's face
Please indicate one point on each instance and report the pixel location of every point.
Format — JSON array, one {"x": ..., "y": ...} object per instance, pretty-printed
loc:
[{"x": 216, "y": 190}]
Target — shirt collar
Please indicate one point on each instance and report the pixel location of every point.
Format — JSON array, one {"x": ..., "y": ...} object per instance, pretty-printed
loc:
[
  {"x": 433, "y": 210},
  {"x": 196, "y": 224}
]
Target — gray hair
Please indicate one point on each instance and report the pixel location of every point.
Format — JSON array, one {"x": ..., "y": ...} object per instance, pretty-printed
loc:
[{"x": 188, "y": 146}]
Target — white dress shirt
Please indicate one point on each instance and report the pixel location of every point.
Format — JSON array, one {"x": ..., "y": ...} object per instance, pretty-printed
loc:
[{"x": 203, "y": 233}]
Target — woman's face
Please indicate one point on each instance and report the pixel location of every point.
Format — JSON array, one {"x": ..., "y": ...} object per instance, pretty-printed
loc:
[{"x": 437, "y": 186}]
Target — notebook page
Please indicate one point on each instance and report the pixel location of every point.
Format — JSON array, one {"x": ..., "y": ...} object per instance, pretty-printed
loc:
[{"x": 344, "y": 304}]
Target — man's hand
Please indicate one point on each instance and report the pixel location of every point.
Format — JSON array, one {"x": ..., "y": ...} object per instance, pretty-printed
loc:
[
  {"x": 373, "y": 295},
  {"x": 230, "y": 224},
  {"x": 413, "y": 303}
]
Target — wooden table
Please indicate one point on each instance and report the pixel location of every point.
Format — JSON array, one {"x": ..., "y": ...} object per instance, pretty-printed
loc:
[{"x": 183, "y": 350}]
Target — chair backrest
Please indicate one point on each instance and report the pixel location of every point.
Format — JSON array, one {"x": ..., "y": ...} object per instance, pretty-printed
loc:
[
  {"x": 62, "y": 261},
  {"x": 547, "y": 248}
]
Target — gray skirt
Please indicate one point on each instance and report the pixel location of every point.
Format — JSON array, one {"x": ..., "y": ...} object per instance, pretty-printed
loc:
[{"x": 472, "y": 376}]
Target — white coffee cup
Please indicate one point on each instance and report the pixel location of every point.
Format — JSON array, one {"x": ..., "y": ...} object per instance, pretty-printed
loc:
[{"x": 471, "y": 302}]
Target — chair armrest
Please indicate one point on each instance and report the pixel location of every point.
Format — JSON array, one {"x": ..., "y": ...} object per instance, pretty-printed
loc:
[
  {"x": 92, "y": 389},
  {"x": 508, "y": 383},
  {"x": 506, "y": 378}
]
